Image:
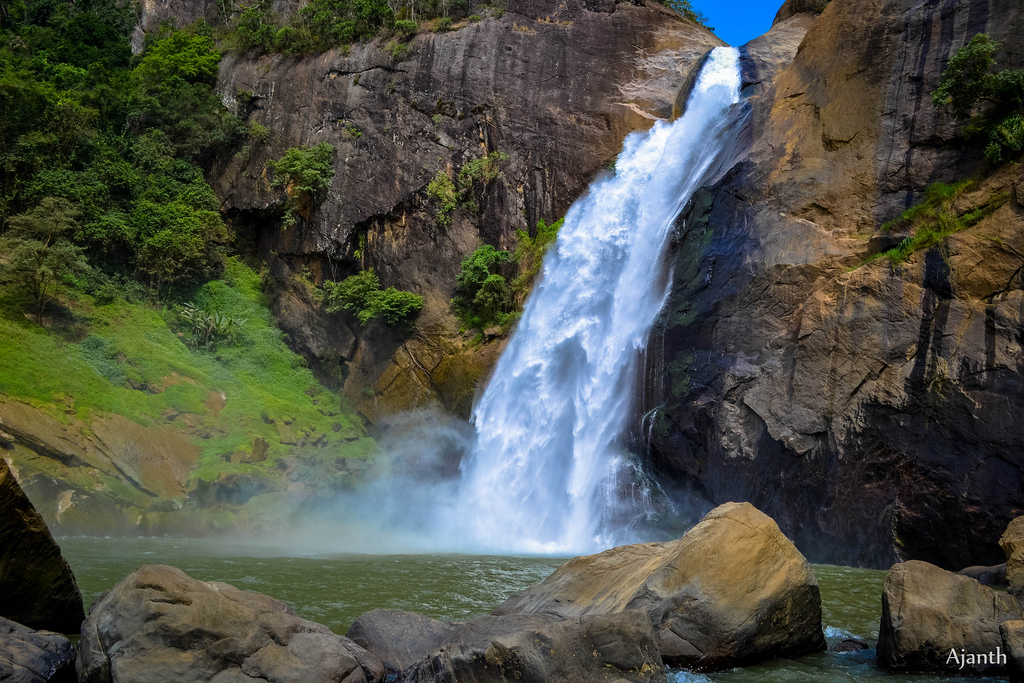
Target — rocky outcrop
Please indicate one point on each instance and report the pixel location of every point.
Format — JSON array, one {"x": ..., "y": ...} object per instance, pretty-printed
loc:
[
  {"x": 158, "y": 624},
  {"x": 537, "y": 648},
  {"x": 398, "y": 638},
  {"x": 554, "y": 88},
  {"x": 36, "y": 582},
  {"x": 1012, "y": 543},
  {"x": 28, "y": 656},
  {"x": 928, "y": 612},
  {"x": 869, "y": 409},
  {"x": 734, "y": 590}
]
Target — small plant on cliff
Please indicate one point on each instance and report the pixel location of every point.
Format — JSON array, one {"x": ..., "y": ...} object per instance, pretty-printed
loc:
[
  {"x": 442, "y": 191},
  {"x": 305, "y": 172},
  {"x": 994, "y": 102},
  {"x": 362, "y": 294},
  {"x": 207, "y": 328},
  {"x": 483, "y": 296},
  {"x": 529, "y": 255}
]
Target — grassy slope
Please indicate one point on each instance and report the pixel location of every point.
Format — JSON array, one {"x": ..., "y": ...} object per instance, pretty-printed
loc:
[{"x": 122, "y": 345}]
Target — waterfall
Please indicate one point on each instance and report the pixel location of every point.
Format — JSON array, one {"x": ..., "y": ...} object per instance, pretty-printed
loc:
[{"x": 549, "y": 472}]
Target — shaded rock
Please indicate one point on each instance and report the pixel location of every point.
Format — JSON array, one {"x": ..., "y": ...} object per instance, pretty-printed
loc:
[
  {"x": 994, "y": 576},
  {"x": 158, "y": 624},
  {"x": 537, "y": 648},
  {"x": 28, "y": 656},
  {"x": 1012, "y": 633},
  {"x": 849, "y": 645},
  {"x": 398, "y": 638},
  {"x": 36, "y": 583},
  {"x": 1012, "y": 543},
  {"x": 927, "y": 612},
  {"x": 791, "y": 8},
  {"x": 734, "y": 590}
]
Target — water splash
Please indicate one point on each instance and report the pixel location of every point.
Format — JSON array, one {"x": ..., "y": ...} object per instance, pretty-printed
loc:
[{"x": 549, "y": 472}]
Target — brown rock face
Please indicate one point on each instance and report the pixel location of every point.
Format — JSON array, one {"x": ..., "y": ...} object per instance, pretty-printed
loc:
[
  {"x": 928, "y": 612},
  {"x": 556, "y": 89},
  {"x": 36, "y": 582},
  {"x": 160, "y": 625},
  {"x": 1012, "y": 543},
  {"x": 732, "y": 591},
  {"x": 1012, "y": 633},
  {"x": 870, "y": 410}
]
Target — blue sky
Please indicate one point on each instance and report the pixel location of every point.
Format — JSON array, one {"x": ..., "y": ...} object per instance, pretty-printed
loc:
[{"x": 738, "y": 21}]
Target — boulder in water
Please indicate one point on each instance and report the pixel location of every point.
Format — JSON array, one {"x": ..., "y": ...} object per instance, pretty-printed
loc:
[
  {"x": 159, "y": 625},
  {"x": 929, "y": 613},
  {"x": 28, "y": 656},
  {"x": 538, "y": 648},
  {"x": 398, "y": 638},
  {"x": 1012, "y": 543},
  {"x": 734, "y": 590},
  {"x": 36, "y": 582}
]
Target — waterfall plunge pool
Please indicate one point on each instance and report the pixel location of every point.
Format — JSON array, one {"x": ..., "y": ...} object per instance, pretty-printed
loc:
[{"x": 334, "y": 589}]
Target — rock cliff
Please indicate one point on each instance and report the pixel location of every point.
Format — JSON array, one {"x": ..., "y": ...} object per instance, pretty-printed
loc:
[
  {"x": 870, "y": 408},
  {"x": 555, "y": 88}
]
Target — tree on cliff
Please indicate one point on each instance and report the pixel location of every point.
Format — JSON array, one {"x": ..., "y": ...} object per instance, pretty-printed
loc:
[
  {"x": 37, "y": 254},
  {"x": 994, "y": 102}
]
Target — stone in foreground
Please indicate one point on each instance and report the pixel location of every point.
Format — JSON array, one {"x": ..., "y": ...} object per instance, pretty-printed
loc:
[
  {"x": 929, "y": 613},
  {"x": 36, "y": 583},
  {"x": 28, "y": 656},
  {"x": 160, "y": 625},
  {"x": 1012, "y": 633},
  {"x": 734, "y": 590},
  {"x": 398, "y": 638},
  {"x": 1012, "y": 543},
  {"x": 538, "y": 648}
]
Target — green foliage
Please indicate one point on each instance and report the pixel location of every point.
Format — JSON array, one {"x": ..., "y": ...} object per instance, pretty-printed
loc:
[
  {"x": 483, "y": 296},
  {"x": 936, "y": 218},
  {"x": 968, "y": 81},
  {"x": 305, "y": 172},
  {"x": 406, "y": 27},
  {"x": 442, "y": 191},
  {"x": 362, "y": 294},
  {"x": 36, "y": 254},
  {"x": 685, "y": 8},
  {"x": 207, "y": 327},
  {"x": 447, "y": 196},
  {"x": 444, "y": 24},
  {"x": 179, "y": 56},
  {"x": 259, "y": 132},
  {"x": 530, "y": 252},
  {"x": 304, "y": 169}
]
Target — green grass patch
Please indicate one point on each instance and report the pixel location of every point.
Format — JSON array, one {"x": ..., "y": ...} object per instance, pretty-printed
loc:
[
  {"x": 935, "y": 219},
  {"x": 132, "y": 359}
]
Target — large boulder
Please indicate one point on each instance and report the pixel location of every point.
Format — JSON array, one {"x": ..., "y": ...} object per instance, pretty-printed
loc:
[
  {"x": 1012, "y": 543},
  {"x": 36, "y": 582},
  {"x": 1012, "y": 633},
  {"x": 994, "y": 576},
  {"x": 159, "y": 625},
  {"x": 929, "y": 613},
  {"x": 734, "y": 590},
  {"x": 398, "y": 638},
  {"x": 28, "y": 656},
  {"x": 537, "y": 648}
]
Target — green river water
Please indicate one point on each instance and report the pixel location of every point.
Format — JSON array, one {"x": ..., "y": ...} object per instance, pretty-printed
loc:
[{"x": 335, "y": 589}]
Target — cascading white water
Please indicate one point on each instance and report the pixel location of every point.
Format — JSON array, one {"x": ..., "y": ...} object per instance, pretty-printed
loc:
[{"x": 546, "y": 469}]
